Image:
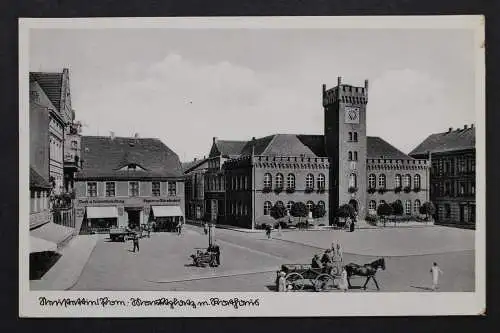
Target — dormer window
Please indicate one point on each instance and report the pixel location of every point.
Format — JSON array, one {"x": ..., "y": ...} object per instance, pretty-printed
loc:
[{"x": 132, "y": 167}]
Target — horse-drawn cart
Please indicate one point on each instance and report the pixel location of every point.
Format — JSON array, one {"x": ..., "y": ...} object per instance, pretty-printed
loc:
[
  {"x": 209, "y": 257},
  {"x": 299, "y": 275}
]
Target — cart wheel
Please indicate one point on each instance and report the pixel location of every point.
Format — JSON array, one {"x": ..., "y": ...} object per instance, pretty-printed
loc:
[
  {"x": 324, "y": 282},
  {"x": 294, "y": 282}
]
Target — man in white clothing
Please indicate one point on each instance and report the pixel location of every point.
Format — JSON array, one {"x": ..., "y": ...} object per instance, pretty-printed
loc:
[{"x": 435, "y": 271}]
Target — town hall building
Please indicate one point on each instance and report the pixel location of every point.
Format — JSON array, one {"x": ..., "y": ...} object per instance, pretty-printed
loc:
[{"x": 343, "y": 166}]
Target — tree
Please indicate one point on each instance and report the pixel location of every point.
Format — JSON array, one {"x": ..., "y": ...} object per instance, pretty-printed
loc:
[
  {"x": 384, "y": 210},
  {"x": 346, "y": 211},
  {"x": 318, "y": 211},
  {"x": 397, "y": 208},
  {"x": 428, "y": 209},
  {"x": 278, "y": 211},
  {"x": 299, "y": 210}
]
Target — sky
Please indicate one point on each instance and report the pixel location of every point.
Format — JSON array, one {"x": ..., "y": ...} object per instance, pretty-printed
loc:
[{"x": 186, "y": 86}]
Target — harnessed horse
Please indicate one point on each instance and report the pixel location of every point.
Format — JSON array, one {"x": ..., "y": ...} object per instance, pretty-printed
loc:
[{"x": 368, "y": 270}]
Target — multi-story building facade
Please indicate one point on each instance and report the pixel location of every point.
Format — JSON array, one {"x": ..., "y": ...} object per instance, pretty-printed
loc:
[
  {"x": 453, "y": 174},
  {"x": 128, "y": 182},
  {"x": 195, "y": 189},
  {"x": 343, "y": 166},
  {"x": 54, "y": 93},
  {"x": 215, "y": 180}
]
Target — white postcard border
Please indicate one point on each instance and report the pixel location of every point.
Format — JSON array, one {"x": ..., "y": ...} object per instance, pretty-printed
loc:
[{"x": 269, "y": 304}]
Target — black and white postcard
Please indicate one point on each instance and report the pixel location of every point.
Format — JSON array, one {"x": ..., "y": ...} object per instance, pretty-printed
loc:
[{"x": 272, "y": 166}]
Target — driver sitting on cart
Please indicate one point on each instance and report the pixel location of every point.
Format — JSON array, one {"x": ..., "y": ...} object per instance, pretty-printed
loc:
[
  {"x": 327, "y": 262},
  {"x": 316, "y": 262}
]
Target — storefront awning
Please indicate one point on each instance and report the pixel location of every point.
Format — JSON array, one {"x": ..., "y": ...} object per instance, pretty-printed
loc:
[
  {"x": 41, "y": 245},
  {"x": 162, "y": 211},
  {"x": 101, "y": 212}
]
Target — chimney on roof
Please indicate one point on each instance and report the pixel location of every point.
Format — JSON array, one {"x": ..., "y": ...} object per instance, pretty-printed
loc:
[
  {"x": 324, "y": 88},
  {"x": 471, "y": 125},
  {"x": 214, "y": 139},
  {"x": 195, "y": 159},
  {"x": 136, "y": 136},
  {"x": 253, "y": 138},
  {"x": 366, "y": 84},
  {"x": 112, "y": 135},
  {"x": 339, "y": 80},
  {"x": 450, "y": 129},
  {"x": 465, "y": 126}
]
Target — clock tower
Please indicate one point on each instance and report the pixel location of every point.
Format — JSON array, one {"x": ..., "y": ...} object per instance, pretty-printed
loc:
[{"x": 345, "y": 144}]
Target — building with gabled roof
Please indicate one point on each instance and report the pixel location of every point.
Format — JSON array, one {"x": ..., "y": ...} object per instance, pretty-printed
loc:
[
  {"x": 128, "y": 182},
  {"x": 342, "y": 166},
  {"x": 452, "y": 174}
]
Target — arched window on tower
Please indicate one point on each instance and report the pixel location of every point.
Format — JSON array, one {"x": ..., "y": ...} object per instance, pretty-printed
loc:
[
  {"x": 353, "y": 181},
  {"x": 350, "y": 156},
  {"x": 355, "y": 137},
  {"x": 397, "y": 181},
  {"x": 321, "y": 181},
  {"x": 416, "y": 181}
]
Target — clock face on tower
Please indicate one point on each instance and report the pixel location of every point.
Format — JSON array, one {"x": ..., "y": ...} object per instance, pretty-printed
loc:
[{"x": 351, "y": 115}]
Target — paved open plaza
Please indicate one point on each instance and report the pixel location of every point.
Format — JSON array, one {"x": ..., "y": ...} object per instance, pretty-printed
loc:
[{"x": 249, "y": 261}]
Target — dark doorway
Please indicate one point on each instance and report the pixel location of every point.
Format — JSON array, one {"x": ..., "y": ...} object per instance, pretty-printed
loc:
[
  {"x": 134, "y": 218},
  {"x": 462, "y": 213},
  {"x": 354, "y": 203}
]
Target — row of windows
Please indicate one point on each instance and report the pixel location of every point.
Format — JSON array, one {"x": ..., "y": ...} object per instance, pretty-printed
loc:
[
  {"x": 215, "y": 183},
  {"x": 467, "y": 212},
  {"x": 290, "y": 181},
  {"x": 453, "y": 165},
  {"x": 457, "y": 188},
  {"x": 133, "y": 189},
  {"x": 372, "y": 181},
  {"x": 372, "y": 205},
  {"x": 239, "y": 183},
  {"x": 309, "y": 205}
]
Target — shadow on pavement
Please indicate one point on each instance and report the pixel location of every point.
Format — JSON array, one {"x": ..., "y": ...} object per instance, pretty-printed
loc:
[{"x": 422, "y": 288}]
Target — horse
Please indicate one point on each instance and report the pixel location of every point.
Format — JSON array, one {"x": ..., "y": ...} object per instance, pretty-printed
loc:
[{"x": 368, "y": 270}]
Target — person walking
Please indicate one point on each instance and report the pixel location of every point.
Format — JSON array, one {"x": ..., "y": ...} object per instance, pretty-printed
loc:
[
  {"x": 343, "y": 284},
  {"x": 135, "y": 240},
  {"x": 281, "y": 282},
  {"x": 268, "y": 231},
  {"x": 279, "y": 229},
  {"x": 435, "y": 271},
  {"x": 179, "y": 228},
  {"x": 205, "y": 228},
  {"x": 216, "y": 250}
]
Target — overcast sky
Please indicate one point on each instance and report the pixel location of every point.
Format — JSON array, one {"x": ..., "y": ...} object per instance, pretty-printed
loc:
[{"x": 187, "y": 86}]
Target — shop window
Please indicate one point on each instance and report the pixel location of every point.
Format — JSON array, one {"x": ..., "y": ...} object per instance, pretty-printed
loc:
[
  {"x": 172, "y": 192},
  {"x": 92, "y": 189},
  {"x": 155, "y": 189},
  {"x": 133, "y": 188},
  {"x": 110, "y": 189}
]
